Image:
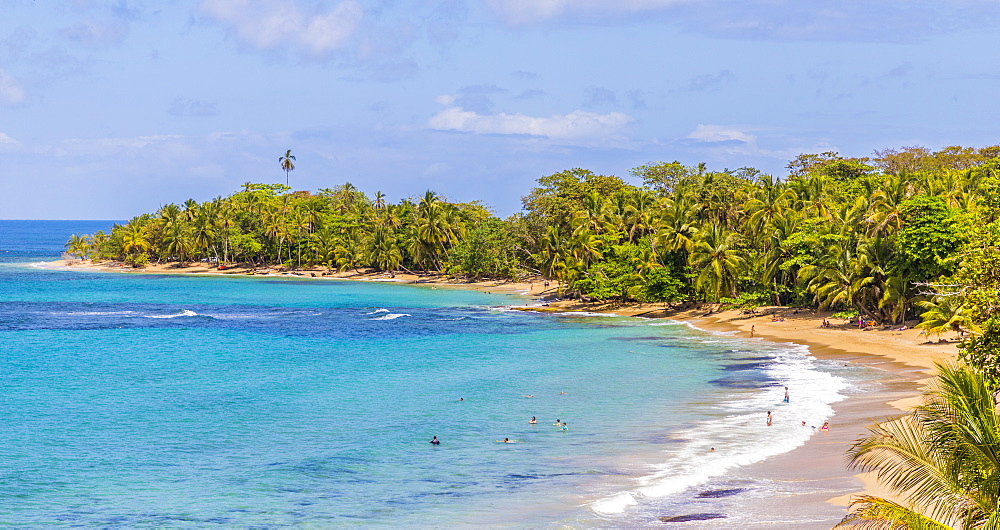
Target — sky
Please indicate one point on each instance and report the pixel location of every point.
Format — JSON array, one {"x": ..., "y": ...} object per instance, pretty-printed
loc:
[{"x": 111, "y": 109}]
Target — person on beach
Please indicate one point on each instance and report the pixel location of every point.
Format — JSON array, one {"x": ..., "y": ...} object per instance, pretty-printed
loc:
[
  {"x": 532, "y": 420},
  {"x": 786, "y": 394},
  {"x": 769, "y": 418},
  {"x": 752, "y": 329},
  {"x": 825, "y": 427}
]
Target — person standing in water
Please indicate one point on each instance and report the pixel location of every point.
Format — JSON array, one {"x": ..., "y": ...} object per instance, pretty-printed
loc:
[
  {"x": 532, "y": 420},
  {"x": 435, "y": 441},
  {"x": 769, "y": 418},
  {"x": 752, "y": 329},
  {"x": 786, "y": 394}
]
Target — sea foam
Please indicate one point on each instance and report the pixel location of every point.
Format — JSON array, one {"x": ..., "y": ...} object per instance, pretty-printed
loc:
[
  {"x": 390, "y": 316},
  {"x": 183, "y": 313},
  {"x": 742, "y": 437}
]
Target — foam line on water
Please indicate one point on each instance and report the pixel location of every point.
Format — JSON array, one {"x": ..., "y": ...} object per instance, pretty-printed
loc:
[
  {"x": 183, "y": 313},
  {"x": 390, "y": 316},
  {"x": 380, "y": 310},
  {"x": 742, "y": 437}
]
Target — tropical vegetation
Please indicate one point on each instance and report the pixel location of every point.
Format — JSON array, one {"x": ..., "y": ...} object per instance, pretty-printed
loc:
[{"x": 893, "y": 236}]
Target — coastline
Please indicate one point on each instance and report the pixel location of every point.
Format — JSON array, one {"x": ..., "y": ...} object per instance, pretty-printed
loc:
[
  {"x": 812, "y": 470},
  {"x": 906, "y": 358}
]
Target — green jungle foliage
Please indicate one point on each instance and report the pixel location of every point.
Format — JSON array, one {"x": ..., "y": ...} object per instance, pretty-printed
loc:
[{"x": 897, "y": 235}]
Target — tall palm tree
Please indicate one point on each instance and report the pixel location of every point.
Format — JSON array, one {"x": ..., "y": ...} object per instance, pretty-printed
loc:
[
  {"x": 942, "y": 459},
  {"x": 286, "y": 163},
  {"x": 718, "y": 262},
  {"x": 133, "y": 239}
]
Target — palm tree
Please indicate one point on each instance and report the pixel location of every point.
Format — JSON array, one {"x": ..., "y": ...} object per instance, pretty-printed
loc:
[
  {"x": 946, "y": 313},
  {"x": 79, "y": 245},
  {"x": 286, "y": 163},
  {"x": 717, "y": 261},
  {"x": 133, "y": 239},
  {"x": 942, "y": 459}
]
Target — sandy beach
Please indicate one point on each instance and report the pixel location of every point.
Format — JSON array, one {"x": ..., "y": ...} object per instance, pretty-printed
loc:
[{"x": 808, "y": 473}]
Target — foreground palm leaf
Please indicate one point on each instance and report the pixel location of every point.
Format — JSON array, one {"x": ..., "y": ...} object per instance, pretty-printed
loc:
[{"x": 943, "y": 458}]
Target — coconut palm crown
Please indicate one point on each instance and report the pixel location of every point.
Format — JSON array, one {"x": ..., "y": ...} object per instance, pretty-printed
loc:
[
  {"x": 942, "y": 459},
  {"x": 286, "y": 163}
]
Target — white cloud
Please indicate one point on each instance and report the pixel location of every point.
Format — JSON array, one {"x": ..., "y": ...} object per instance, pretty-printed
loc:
[
  {"x": 270, "y": 25},
  {"x": 720, "y": 133},
  {"x": 11, "y": 92},
  {"x": 6, "y": 142},
  {"x": 529, "y": 11},
  {"x": 577, "y": 126}
]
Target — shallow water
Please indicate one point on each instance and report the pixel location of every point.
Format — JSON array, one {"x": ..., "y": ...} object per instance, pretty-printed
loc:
[{"x": 132, "y": 399}]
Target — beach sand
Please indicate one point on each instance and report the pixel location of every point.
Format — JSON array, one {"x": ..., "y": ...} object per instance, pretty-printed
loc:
[{"x": 807, "y": 474}]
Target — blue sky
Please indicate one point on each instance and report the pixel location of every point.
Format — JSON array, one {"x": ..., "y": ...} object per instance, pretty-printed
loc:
[{"x": 111, "y": 109}]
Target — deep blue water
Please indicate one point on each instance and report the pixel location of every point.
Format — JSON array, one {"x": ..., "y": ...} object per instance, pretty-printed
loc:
[{"x": 138, "y": 400}]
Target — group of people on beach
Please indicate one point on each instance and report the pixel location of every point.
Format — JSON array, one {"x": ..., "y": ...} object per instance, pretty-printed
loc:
[
  {"x": 770, "y": 417},
  {"x": 533, "y": 421}
]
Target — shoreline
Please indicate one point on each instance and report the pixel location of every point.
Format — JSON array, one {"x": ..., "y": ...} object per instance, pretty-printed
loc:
[{"x": 906, "y": 359}]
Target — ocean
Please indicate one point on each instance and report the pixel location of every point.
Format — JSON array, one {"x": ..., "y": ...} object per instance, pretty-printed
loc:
[{"x": 160, "y": 400}]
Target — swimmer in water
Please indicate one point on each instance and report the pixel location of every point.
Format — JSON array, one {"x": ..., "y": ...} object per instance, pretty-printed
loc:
[
  {"x": 532, "y": 420},
  {"x": 526, "y": 395},
  {"x": 435, "y": 441},
  {"x": 506, "y": 441},
  {"x": 562, "y": 393},
  {"x": 461, "y": 399},
  {"x": 557, "y": 423},
  {"x": 564, "y": 427},
  {"x": 825, "y": 427},
  {"x": 769, "y": 418}
]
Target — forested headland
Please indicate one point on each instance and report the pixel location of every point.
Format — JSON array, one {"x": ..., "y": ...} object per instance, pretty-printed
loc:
[{"x": 903, "y": 233}]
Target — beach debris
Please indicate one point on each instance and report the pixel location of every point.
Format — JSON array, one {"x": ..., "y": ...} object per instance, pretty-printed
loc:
[
  {"x": 715, "y": 494},
  {"x": 691, "y": 517}
]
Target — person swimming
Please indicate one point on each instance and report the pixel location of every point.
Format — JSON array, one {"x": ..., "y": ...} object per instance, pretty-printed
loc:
[
  {"x": 507, "y": 441},
  {"x": 435, "y": 441},
  {"x": 532, "y": 420},
  {"x": 825, "y": 427},
  {"x": 557, "y": 423}
]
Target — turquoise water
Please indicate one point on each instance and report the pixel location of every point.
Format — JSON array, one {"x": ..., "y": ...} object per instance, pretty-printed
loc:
[{"x": 132, "y": 399}]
